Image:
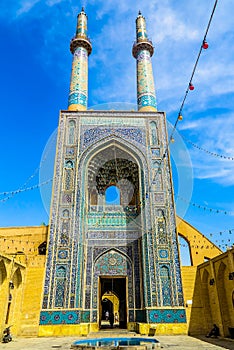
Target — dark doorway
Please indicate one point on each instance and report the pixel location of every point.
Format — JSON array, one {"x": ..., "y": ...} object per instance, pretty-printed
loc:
[{"x": 113, "y": 302}]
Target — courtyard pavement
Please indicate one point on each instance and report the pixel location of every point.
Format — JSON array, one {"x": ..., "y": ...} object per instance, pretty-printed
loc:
[{"x": 181, "y": 342}]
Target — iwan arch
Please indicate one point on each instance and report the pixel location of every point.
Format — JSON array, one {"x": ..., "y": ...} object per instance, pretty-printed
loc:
[{"x": 118, "y": 257}]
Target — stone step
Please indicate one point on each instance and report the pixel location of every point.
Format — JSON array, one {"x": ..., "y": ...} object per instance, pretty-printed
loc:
[{"x": 111, "y": 333}]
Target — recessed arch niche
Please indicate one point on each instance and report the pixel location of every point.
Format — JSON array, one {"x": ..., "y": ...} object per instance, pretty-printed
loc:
[{"x": 114, "y": 164}]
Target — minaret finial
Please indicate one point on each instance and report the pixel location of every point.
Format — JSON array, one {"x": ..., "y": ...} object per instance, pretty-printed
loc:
[
  {"x": 143, "y": 50},
  {"x": 80, "y": 47}
]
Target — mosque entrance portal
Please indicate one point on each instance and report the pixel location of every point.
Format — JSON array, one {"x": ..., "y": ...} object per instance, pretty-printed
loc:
[{"x": 113, "y": 302}]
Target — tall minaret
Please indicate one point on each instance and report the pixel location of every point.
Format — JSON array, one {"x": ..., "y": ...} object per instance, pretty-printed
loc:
[
  {"x": 143, "y": 50},
  {"x": 81, "y": 48}
]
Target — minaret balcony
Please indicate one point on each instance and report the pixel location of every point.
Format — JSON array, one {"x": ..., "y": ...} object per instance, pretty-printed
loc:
[
  {"x": 142, "y": 45},
  {"x": 79, "y": 41}
]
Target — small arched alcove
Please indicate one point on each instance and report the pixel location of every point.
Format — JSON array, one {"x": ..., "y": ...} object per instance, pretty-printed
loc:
[
  {"x": 42, "y": 248},
  {"x": 17, "y": 278},
  {"x": 3, "y": 272}
]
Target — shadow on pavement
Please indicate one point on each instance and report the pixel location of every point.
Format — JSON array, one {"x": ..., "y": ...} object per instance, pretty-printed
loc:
[{"x": 222, "y": 342}]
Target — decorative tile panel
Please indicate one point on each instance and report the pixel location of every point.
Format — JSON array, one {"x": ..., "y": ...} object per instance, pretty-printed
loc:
[
  {"x": 60, "y": 317},
  {"x": 167, "y": 316}
]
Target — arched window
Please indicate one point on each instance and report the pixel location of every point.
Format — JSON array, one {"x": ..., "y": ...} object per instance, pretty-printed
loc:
[
  {"x": 65, "y": 213},
  {"x": 42, "y": 249},
  {"x": 3, "y": 272},
  {"x": 112, "y": 195},
  {"x": 69, "y": 164},
  {"x": 61, "y": 272},
  {"x": 154, "y": 133},
  {"x": 71, "y": 132}
]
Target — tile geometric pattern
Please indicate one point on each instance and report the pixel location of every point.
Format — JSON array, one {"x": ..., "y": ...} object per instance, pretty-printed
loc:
[
  {"x": 60, "y": 317},
  {"x": 143, "y": 250},
  {"x": 78, "y": 85},
  {"x": 167, "y": 316},
  {"x": 145, "y": 82}
]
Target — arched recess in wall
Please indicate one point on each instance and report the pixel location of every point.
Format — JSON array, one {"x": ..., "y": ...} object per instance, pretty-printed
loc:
[
  {"x": 3, "y": 272},
  {"x": 115, "y": 162},
  {"x": 42, "y": 248},
  {"x": 154, "y": 133},
  {"x": 206, "y": 299},
  {"x": 117, "y": 267},
  {"x": 17, "y": 278},
  {"x": 71, "y": 132},
  {"x": 185, "y": 251},
  {"x": 221, "y": 280},
  {"x": 15, "y": 295}
]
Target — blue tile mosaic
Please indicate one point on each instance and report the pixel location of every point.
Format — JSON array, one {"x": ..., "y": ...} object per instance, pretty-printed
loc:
[
  {"x": 106, "y": 246},
  {"x": 59, "y": 317},
  {"x": 167, "y": 316}
]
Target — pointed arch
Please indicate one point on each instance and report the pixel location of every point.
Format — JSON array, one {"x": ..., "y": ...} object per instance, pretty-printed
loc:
[
  {"x": 135, "y": 153},
  {"x": 205, "y": 276},
  {"x": 3, "y": 272},
  {"x": 65, "y": 213},
  {"x": 42, "y": 248},
  {"x": 206, "y": 298},
  {"x": 112, "y": 251},
  {"x": 222, "y": 275},
  {"x": 17, "y": 278},
  {"x": 71, "y": 132},
  {"x": 154, "y": 132},
  {"x": 101, "y": 159}
]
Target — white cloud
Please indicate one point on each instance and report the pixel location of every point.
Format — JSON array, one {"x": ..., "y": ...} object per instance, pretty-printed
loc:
[
  {"x": 53, "y": 2},
  {"x": 26, "y": 6}
]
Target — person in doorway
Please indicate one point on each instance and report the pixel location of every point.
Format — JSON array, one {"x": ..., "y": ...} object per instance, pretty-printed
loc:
[
  {"x": 107, "y": 315},
  {"x": 111, "y": 319},
  {"x": 214, "y": 331},
  {"x": 116, "y": 318}
]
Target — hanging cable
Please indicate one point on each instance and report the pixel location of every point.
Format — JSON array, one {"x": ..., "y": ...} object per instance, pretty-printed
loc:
[
  {"x": 190, "y": 87},
  {"x": 206, "y": 151},
  {"x": 12, "y": 193},
  {"x": 23, "y": 188},
  {"x": 211, "y": 210}
]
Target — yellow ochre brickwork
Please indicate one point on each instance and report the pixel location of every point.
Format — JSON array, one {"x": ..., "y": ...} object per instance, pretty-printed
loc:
[
  {"x": 21, "y": 264},
  {"x": 208, "y": 288}
]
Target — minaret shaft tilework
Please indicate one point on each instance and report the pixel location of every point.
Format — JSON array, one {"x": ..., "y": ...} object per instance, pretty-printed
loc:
[
  {"x": 142, "y": 51},
  {"x": 80, "y": 47}
]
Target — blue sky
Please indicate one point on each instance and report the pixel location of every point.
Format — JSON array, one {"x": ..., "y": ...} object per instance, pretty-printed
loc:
[{"x": 35, "y": 66}]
